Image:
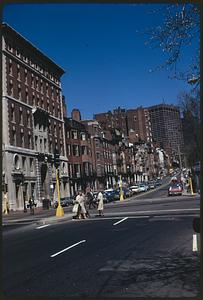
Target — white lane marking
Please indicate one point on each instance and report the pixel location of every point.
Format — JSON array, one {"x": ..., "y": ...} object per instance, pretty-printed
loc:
[
  {"x": 83, "y": 241},
  {"x": 194, "y": 244},
  {"x": 121, "y": 221},
  {"x": 156, "y": 211},
  {"x": 42, "y": 226}
]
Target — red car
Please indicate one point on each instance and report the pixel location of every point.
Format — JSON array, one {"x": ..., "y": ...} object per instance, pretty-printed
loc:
[{"x": 175, "y": 189}]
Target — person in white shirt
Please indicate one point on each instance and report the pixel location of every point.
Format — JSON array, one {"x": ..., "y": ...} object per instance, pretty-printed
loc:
[{"x": 100, "y": 207}]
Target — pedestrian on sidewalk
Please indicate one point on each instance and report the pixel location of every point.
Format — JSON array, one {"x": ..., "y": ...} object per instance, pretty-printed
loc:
[
  {"x": 31, "y": 205},
  {"x": 100, "y": 207},
  {"x": 5, "y": 206},
  {"x": 80, "y": 199}
]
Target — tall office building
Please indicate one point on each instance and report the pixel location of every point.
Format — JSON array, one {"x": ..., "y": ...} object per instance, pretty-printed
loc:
[{"x": 167, "y": 128}]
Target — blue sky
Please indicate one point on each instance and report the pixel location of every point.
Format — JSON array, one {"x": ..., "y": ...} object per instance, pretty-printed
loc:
[{"x": 102, "y": 51}]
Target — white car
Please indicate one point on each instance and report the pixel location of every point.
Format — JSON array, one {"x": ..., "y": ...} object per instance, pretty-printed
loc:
[
  {"x": 135, "y": 189},
  {"x": 142, "y": 187}
]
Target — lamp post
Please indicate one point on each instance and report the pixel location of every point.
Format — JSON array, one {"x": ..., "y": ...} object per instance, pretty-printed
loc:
[
  {"x": 121, "y": 190},
  {"x": 59, "y": 210}
]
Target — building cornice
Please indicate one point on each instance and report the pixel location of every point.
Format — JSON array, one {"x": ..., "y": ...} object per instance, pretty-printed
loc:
[{"x": 24, "y": 42}]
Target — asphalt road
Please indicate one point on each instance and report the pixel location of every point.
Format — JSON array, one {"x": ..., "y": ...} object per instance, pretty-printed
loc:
[{"x": 135, "y": 250}]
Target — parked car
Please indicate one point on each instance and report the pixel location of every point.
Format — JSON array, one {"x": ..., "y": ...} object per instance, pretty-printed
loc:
[
  {"x": 65, "y": 201},
  {"x": 127, "y": 192},
  {"x": 117, "y": 195},
  {"x": 134, "y": 189},
  {"x": 175, "y": 189},
  {"x": 152, "y": 184},
  {"x": 109, "y": 195},
  {"x": 158, "y": 182},
  {"x": 142, "y": 187}
]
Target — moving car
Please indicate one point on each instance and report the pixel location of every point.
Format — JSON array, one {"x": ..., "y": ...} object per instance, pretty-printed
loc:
[{"x": 175, "y": 189}]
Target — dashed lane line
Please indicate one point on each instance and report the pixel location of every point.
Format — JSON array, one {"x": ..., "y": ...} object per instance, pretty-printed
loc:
[
  {"x": 53, "y": 255},
  {"x": 42, "y": 226},
  {"x": 194, "y": 243},
  {"x": 120, "y": 221}
]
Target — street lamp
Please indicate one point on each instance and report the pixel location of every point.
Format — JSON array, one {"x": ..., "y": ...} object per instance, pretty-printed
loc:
[
  {"x": 121, "y": 191},
  {"x": 59, "y": 210}
]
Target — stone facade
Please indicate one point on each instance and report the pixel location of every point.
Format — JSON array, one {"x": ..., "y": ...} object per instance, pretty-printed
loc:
[{"x": 33, "y": 124}]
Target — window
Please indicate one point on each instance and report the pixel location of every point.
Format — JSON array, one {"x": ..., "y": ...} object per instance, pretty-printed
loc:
[
  {"x": 32, "y": 81},
  {"x": 22, "y": 139},
  {"x": 33, "y": 99},
  {"x": 45, "y": 145},
  {"x": 50, "y": 145},
  {"x": 40, "y": 145},
  {"x": 47, "y": 90},
  {"x": 38, "y": 102},
  {"x": 31, "y": 165},
  {"x": 74, "y": 134},
  {"x": 25, "y": 58},
  {"x": 17, "y": 53},
  {"x": 16, "y": 162},
  {"x": 28, "y": 119},
  {"x": 13, "y": 141},
  {"x": 41, "y": 86},
  {"x": 12, "y": 113},
  {"x": 42, "y": 102},
  {"x": 26, "y": 95},
  {"x": 21, "y": 116},
  {"x": 29, "y": 140},
  {"x": 11, "y": 88},
  {"x": 76, "y": 150},
  {"x": 37, "y": 83},
  {"x": 32, "y": 63},
  {"x": 24, "y": 163},
  {"x": 10, "y": 67},
  {"x": 9, "y": 47},
  {"x": 18, "y": 72},
  {"x": 36, "y": 142},
  {"x": 19, "y": 92},
  {"x": 83, "y": 137},
  {"x": 68, "y": 147},
  {"x": 98, "y": 155}
]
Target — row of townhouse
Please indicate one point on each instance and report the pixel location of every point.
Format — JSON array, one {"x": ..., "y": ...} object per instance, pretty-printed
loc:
[{"x": 35, "y": 123}]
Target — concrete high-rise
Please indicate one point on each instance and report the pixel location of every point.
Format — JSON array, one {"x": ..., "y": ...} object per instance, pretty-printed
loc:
[{"x": 167, "y": 128}]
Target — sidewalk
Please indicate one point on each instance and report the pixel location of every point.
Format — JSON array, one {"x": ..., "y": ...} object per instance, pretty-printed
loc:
[{"x": 41, "y": 216}]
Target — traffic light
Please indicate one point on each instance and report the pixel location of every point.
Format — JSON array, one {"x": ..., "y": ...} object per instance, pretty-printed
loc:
[{"x": 56, "y": 158}]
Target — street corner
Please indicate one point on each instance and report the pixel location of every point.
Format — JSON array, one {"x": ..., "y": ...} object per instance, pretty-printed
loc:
[{"x": 54, "y": 219}]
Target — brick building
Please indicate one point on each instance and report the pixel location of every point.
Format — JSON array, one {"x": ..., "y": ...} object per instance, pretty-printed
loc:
[
  {"x": 79, "y": 154},
  {"x": 139, "y": 125},
  {"x": 33, "y": 124},
  {"x": 117, "y": 120}
]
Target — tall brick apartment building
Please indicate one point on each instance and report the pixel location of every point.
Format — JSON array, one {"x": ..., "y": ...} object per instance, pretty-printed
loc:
[{"x": 33, "y": 122}]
